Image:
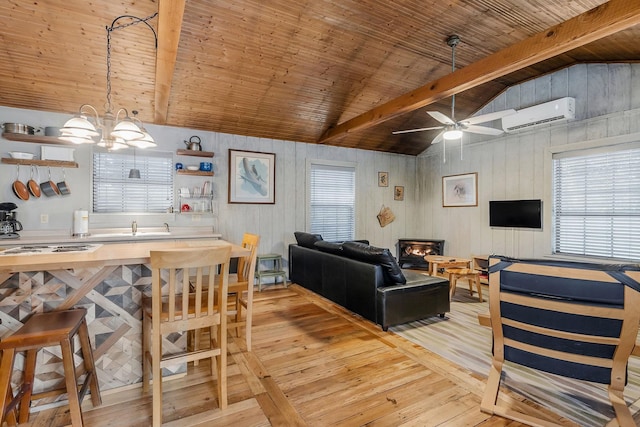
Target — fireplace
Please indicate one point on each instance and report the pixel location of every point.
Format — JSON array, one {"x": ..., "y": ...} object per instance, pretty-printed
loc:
[{"x": 412, "y": 251}]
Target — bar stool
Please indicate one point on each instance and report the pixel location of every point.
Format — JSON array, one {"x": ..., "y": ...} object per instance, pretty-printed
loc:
[
  {"x": 44, "y": 330},
  {"x": 472, "y": 276}
]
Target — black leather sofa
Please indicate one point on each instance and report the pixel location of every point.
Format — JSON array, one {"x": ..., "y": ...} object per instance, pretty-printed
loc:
[{"x": 366, "y": 280}]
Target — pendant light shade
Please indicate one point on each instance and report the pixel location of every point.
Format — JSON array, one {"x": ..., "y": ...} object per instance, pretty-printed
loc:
[
  {"x": 115, "y": 131},
  {"x": 134, "y": 173}
]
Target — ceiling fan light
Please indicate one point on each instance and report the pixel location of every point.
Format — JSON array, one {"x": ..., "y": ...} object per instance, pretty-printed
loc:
[{"x": 452, "y": 134}]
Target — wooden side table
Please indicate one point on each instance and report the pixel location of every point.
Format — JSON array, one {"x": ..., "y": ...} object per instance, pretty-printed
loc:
[
  {"x": 472, "y": 276},
  {"x": 437, "y": 262},
  {"x": 276, "y": 271}
]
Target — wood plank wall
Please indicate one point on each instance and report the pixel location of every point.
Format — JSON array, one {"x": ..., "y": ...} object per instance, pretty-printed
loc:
[
  {"x": 509, "y": 167},
  {"x": 275, "y": 223},
  {"x": 518, "y": 166}
]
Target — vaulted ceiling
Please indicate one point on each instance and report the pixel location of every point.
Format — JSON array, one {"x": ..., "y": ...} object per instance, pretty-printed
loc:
[{"x": 338, "y": 72}]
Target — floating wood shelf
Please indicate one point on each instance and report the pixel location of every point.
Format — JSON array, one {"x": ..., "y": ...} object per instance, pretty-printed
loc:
[
  {"x": 195, "y": 153},
  {"x": 194, "y": 173},
  {"x": 34, "y": 162},
  {"x": 41, "y": 139}
]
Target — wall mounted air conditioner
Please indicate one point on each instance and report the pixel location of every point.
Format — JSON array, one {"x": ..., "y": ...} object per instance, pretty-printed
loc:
[{"x": 549, "y": 112}]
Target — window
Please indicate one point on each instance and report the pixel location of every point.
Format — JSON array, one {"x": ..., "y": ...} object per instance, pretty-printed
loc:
[
  {"x": 597, "y": 203},
  {"x": 332, "y": 196},
  {"x": 114, "y": 191}
]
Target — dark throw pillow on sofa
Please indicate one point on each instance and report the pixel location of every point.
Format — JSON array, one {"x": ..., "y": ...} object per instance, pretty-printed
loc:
[
  {"x": 374, "y": 255},
  {"x": 329, "y": 247},
  {"x": 307, "y": 240}
]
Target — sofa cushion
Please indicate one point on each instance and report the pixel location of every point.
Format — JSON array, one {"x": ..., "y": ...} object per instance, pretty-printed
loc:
[
  {"x": 329, "y": 247},
  {"x": 307, "y": 239},
  {"x": 374, "y": 255}
]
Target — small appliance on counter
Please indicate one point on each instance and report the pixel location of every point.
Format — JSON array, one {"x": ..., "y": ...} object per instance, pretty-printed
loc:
[
  {"x": 81, "y": 223},
  {"x": 9, "y": 225}
]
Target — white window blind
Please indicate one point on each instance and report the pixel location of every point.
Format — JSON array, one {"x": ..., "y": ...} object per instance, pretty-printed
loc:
[
  {"x": 597, "y": 204},
  {"x": 114, "y": 191},
  {"x": 332, "y": 199}
]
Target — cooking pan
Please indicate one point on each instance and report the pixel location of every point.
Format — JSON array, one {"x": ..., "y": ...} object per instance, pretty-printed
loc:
[
  {"x": 62, "y": 185},
  {"x": 49, "y": 188},
  {"x": 18, "y": 128},
  {"x": 19, "y": 189},
  {"x": 34, "y": 188}
]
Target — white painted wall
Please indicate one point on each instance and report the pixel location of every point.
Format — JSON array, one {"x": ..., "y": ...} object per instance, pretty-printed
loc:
[
  {"x": 513, "y": 166},
  {"x": 275, "y": 223},
  {"x": 518, "y": 165}
]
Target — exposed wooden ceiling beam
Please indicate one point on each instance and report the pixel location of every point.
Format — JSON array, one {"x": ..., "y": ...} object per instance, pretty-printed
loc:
[
  {"x": 170, "y": 13},
  {"x": 599, "y": 22}
]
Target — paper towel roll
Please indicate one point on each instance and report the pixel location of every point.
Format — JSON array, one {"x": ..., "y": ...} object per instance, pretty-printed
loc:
[{"x": 80, "y": 223}]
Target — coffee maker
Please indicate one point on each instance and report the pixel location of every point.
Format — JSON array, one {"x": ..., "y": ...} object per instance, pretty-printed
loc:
[{"x": 9, "y": 225}]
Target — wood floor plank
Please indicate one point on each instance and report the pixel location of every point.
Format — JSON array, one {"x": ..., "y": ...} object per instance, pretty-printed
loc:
[{"x": 313, "y": 364}]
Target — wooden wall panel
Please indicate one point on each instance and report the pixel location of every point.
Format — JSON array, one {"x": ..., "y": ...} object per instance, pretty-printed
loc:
[{"x": 518, "y": 166}]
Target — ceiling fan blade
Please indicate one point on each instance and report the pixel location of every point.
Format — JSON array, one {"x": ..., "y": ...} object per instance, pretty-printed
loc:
[
  {"x": 441, "y": 117},
  {"x": 437, "y": 139},
  {"x": 484, "y": 130},
  {"x": 488, "y": 117},
  {"x": 396, "y": 132}
]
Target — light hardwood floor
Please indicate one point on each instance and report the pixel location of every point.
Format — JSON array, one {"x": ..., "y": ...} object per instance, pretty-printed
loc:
[{"x": 313, "y": 364}]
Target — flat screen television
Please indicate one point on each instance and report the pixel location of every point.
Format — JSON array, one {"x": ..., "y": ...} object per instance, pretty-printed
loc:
[{"x": 515, "y": 213}]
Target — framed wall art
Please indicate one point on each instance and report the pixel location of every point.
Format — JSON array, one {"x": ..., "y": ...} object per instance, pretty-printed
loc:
[
  {"x": 383, "y": 179},
  {"x": 252, "y": 177},
  {"x": 460, "y": 190},
  {"x": 398, "y": 193}
]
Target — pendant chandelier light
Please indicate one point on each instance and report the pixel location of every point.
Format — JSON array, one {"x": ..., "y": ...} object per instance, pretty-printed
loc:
[{"x": 117, "y": 130}]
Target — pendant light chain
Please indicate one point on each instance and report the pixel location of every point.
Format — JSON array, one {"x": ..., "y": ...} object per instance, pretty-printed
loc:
[{"x": 135, "y": 21}]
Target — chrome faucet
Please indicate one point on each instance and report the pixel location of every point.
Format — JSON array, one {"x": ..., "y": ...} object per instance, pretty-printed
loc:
[
  {"x": 166, "y": 227},
  {"x": 134, "y": 227}
]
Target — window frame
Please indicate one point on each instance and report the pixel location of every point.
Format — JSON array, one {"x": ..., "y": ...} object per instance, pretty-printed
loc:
[
  {"x": 584, "y": 148},
  {"x": 140, "y": 154},
  {"x": 337, "y": 164}
]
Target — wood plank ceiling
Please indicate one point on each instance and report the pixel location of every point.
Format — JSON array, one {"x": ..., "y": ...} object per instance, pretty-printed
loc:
[{"x": 290, "y": 70}]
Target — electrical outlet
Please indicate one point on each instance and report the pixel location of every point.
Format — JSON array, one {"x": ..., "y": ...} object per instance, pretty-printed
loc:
[
  {"x": 44, "y": 218},
  {"x": 195, "y": 218}
]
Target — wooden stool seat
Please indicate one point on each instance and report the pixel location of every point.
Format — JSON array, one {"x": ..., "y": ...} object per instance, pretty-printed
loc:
[
  {"x": 472, "y": 276},
  {"x": 44, "y": 330}
]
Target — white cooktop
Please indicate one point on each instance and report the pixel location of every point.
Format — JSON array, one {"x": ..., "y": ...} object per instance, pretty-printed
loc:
[{"x": 49, "y": 249}]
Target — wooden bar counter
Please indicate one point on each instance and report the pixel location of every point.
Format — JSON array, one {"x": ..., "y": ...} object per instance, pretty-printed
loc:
[{"x": 109, "y": 281}]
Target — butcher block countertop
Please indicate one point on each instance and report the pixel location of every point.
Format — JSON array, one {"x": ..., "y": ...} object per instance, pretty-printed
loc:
[{"x": 105, "y": 254}]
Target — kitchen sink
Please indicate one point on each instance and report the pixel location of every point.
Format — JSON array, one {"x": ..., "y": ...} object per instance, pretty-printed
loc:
[{"x": 131, "y": 234}]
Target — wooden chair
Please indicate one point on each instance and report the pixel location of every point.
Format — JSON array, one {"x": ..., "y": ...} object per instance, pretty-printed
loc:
[
  {"x": 471, "y": 275},
  {"x": 168, "y": 311},
  {"x": 241, "y": 288},
  {"x": 572, "y": 319},
  {"x": 44, "y": 330}
]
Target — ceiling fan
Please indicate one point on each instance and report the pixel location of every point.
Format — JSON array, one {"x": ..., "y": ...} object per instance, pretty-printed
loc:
[{"x": 453, "y": 129}]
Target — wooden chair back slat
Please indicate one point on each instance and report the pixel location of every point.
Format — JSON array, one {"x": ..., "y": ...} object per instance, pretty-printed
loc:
[
  {"x": 572, "y": 319},
  {"x": 184, "y": 304}
]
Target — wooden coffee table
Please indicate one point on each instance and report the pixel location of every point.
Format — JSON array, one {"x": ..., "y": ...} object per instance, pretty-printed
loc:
[{"x": 440, "y": 261}]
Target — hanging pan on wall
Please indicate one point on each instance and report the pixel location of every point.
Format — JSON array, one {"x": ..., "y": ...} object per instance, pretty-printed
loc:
[
  {"x": 62, "y": 185},
  {"x": 19, "y": 189},
  {"x": 49, "y": 188},
  {"x": 34, "y": 187}
]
